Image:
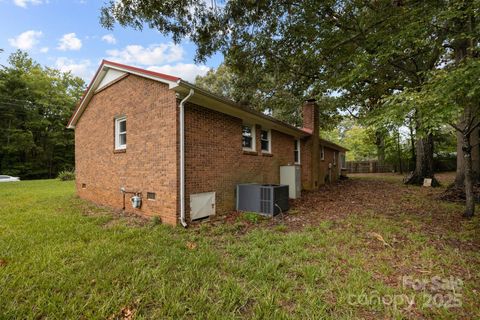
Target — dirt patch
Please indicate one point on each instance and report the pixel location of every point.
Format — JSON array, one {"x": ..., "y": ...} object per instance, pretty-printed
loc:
[
  {"x": 117, "y": 217},
  {"x": 374, "y": 195}
]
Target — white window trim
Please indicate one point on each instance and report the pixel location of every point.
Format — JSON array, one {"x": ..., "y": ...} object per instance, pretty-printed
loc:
[
  {"x": 322, "y": 153},
  {"x": 269, "y": 137},
  {"x": 343, "y": 162},
  {"x": 297, "y": 144},
  {"x": 254, "y": 137},
  {"x": 119, "y": 146}
]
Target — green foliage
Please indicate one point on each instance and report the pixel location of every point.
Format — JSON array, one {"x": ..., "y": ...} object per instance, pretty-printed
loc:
[
  {"x": 251, "y": 217},
  {"x": 265, "y": 94},
  {"x": 361, "y": 144},
  {"x": 66, "y": 175},
  {"x": 35, "y": 105},
  {"x": 360, "y": 53},
  {"x": 225, "y": 83}
]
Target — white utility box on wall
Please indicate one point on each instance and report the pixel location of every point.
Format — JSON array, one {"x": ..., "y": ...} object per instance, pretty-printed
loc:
[
  {"x": 291, "y": 176},
  {"x": 202, "y": 205}
]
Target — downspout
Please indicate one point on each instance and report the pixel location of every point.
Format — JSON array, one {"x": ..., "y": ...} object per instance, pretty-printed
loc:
[{"x": 182, "y": 158}]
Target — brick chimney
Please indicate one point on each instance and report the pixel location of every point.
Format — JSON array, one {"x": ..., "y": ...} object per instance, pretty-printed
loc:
[
  {"x": 310, "y": 115},
  {"x": 311, "y": 122}
]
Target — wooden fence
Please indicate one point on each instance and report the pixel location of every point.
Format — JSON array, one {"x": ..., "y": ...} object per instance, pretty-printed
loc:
[
  {"x": 372, "y": 166},
  {"x": 368, "y": 167}
]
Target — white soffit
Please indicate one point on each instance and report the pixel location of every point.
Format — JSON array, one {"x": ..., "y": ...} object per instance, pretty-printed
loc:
[{"x": 109, "y": 77}]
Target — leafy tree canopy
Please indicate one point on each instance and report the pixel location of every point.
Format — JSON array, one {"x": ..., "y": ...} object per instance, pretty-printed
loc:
[{"x": 35, "y": 105}]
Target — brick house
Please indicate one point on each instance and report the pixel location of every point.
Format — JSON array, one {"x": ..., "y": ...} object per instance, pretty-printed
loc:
[{"x": 128, "y": 134}]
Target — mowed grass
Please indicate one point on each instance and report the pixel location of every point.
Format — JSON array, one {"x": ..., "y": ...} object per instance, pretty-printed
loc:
[{"x": 63, "y": 258}]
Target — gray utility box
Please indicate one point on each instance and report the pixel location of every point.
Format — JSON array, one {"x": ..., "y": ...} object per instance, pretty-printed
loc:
[{"x": 266, "y": 199}]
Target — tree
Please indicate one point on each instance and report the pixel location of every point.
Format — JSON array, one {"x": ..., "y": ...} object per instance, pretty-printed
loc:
[
  {"x": 265, "y": 95},
  {"x": 362, "y": 51},
  {"x": 294, "y": 50},
  {"x": 450, "y": 93},
  {"x": 35, "y": 105}
]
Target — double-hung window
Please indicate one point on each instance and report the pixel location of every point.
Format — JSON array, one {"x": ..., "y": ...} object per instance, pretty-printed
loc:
[
  {"x": 120, "y": 133},
  {"x": 248, "y": 137},
  {"x": 322, "y": 153},
  {"x": 266, "y": 141},
  {"x": 296, "y": 151}
]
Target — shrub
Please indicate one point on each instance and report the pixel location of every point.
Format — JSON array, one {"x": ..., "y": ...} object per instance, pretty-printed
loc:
[{"x": 66, "y": 175}]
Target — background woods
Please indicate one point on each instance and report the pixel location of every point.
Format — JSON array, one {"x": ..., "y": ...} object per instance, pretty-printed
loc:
[{"x": 35, "y": 105}]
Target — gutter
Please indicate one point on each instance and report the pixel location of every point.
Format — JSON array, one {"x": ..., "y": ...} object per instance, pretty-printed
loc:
[{"x": 182, "y": 157}]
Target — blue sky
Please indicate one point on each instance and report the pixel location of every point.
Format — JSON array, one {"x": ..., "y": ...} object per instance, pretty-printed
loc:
[{"x": 66, "y": 34}]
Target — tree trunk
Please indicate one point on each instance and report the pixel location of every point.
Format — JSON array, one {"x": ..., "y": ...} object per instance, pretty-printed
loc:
[
  {"x": 474, "y": 157},
  {"x": 460, "y": 173},
  {"x": 399, "y": 153},
  {"x": 474, "y": 142},
  {"x": 463, "y": 47},
  {"x": 380, "y": 142},
  {"x": 412, "y": 146},
  {"x": 424, "y": 162},
  {"x": 469, "y": 196}
]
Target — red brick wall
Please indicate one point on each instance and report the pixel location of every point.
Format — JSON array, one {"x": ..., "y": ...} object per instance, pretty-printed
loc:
[
  {"x": 323, "y": 164},
  {"x": 324, "y": 170},
  {"x": 215, "y": 160},
  {"x": 150, "y": 161},
  {"x": 306, "y": 162}
]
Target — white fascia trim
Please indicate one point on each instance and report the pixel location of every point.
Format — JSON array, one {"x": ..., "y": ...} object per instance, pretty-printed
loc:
[
  {"x": 171, "y": 84},
  {"x": 98, "y": 79}
]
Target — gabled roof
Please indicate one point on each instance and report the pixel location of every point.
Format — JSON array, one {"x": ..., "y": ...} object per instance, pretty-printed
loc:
[
  {"x": 182, "y": 87},
  {"x": 100, "y": 75},
  {"x": 110, "y": 71},
  {"x": 332, "y": 145}
]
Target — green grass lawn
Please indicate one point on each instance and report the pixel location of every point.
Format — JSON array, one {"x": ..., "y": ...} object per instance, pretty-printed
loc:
[{"x": 63, "y": 258}]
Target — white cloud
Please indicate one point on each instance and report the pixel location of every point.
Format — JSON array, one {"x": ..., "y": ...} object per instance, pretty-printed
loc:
[
  {"x": 186, "y": 71},
  {"x": 26, "y": 40},
  {"x": 154, "y": 54},
  {"x": 69, "y": 41},
  {"x": 81, "y": 68},
  {"x": 24, "y": 3},
  {"x": 44, "y": 49},
  {"x": 109, "y": 38}
]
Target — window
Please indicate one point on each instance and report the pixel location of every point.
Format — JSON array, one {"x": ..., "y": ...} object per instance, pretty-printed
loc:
[
  {"x": 343, "y": 161},
  {"x": 296, "y": 151},
  {"x": 334, "y": 158},
  {"x": 322, "y": 153},
  {"x": 121, "y": 133},
  {"x": 248, "y": 137},
  {"x": 151, "y": 195},
  {"x": 265, "y": 139}
]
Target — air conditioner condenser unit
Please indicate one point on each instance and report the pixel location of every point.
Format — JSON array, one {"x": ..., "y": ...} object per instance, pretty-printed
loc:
[{"x": 266, "y": 199}]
